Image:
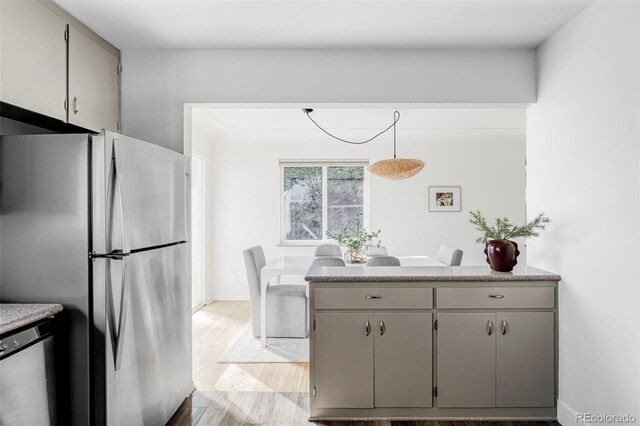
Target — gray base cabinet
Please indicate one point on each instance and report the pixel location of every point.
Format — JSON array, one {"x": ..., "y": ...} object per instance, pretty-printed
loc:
[
  {"x": 450, "y": 351},
  {"x": 344, "y": 360},
  {"x": 525, "y": 367},
  {"x": 403, "y": 351},
  {"x": 466, "y": 360}
]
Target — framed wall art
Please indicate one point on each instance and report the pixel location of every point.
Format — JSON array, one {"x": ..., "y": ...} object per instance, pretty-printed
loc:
[{"x": 444, "y": 199}]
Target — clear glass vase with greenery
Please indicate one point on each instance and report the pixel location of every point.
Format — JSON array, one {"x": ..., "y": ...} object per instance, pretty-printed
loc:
[{"x": 357, "y": 239}]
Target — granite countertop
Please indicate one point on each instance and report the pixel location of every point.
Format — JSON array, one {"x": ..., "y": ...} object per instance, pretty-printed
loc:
[
  {"x": 15, "y": 315},
  {"x": 425, "y": 273}
]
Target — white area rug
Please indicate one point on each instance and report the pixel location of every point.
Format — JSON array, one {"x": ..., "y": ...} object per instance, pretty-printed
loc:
[{"x": 246, "y": 349}]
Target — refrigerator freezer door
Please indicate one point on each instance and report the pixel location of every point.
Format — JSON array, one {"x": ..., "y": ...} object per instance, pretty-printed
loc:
[
  {"x": 148, "y": 191},
  {"x": 146, "y": 329}
]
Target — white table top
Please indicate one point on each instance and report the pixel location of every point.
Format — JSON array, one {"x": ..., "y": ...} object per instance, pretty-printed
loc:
[{"x": 294, "y": 265}]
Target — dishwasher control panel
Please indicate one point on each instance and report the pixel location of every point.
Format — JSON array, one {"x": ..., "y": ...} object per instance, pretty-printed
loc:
[{"x": 14, "y": 341}]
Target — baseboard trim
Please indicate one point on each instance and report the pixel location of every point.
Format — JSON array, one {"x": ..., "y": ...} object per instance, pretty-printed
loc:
[{"x": 567, "y": 416}]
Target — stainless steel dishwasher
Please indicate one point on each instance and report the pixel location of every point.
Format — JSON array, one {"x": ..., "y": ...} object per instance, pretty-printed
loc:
[{"x": 27, "y": 381}]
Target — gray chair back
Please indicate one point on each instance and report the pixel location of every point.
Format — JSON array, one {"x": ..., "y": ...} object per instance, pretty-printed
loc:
[
  {"x": 450, "y": 256},
  {"x": 328, "y": 261},
  {"x": 383, "y": 261},
  {"x": 254, "y": 261},
  {"x": 331, "y": 250},
  {"x": 377, "y": 251}
]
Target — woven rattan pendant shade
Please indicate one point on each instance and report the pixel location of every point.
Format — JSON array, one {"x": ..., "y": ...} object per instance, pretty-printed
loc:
[{"x": 396, "y": 168}]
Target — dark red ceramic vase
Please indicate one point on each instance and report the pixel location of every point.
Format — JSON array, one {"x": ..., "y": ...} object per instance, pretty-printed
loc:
[{"x": 502, "y": 255}]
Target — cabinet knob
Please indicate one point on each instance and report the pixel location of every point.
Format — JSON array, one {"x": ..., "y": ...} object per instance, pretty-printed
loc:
[
  {"x": 76, "y": 105},
  {"x": 376, "y": 296},
  {"x": 367, "y": 328},
  {"x": 496, "y": 296},
  {"x": 383, "y": 327},
  {"x": 489, "y": 327}
]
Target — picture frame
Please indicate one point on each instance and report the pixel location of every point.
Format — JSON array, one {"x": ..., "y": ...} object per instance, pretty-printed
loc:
[{"x": 445, "y": 199}]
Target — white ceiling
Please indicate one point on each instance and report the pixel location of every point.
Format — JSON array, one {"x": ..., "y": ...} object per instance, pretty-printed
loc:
[
  {"x": 209, "y": 24},
  {"x": 368, "y": 120}
]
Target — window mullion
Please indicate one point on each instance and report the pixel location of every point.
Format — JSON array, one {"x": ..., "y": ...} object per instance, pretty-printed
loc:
[{"x": 325, "y": 202}]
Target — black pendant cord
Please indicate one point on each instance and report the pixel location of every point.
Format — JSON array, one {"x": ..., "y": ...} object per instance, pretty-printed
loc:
[{"x": 396, "y": 118}]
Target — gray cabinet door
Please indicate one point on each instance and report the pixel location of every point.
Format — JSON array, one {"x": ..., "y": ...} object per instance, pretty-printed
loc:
[
  {"x": 94, "y": 93},
  {"x": 525, "y": 359},
  {"x": 34, "y": 58},
  {"x": 343, "y": 368},
  {"x": 466, "y": 359},
  {"x": 403, "y": 353}
]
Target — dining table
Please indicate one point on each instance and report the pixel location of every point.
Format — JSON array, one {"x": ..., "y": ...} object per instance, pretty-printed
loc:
[{"x": 299, "y": 265}]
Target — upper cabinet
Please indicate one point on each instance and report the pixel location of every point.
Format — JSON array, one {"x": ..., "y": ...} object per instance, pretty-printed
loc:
[
  {"x": 55, "y": 66},
  {"x": 93, "y": 84},
  {"x": 33, "y": 63}
]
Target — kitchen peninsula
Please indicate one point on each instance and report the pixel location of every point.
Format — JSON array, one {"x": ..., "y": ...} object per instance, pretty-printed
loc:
[{"x": 433, "y": 343}]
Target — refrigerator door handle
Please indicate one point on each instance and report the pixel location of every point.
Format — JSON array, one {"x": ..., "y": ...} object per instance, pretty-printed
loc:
[
  {"x": 118, "y": 188},
  {"x": 117, "y": 337}
]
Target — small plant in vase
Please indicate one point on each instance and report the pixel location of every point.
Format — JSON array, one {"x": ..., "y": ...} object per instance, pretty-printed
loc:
[
  {"x": 357, "y": 239},
  {"x": 502, "y": 253}
]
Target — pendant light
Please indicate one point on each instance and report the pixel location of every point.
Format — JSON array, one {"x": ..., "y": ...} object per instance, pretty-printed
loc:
[{"x": 394, "y": 168}]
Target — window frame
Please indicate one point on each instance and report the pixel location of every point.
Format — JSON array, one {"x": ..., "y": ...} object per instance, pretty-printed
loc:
[{"x": 324, "y": 164}]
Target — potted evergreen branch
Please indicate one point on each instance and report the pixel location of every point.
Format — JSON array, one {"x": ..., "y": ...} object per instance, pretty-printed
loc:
[
  {"x": 357, "y": 239},
  {"x": 502, "y": 253}
]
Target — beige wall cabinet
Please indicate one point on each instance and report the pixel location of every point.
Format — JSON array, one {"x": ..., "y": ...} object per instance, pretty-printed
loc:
[
  {"x": 53, "y": 65},
  {"x": 33, "y": 58},
  {"x": 93, "y": 84}
]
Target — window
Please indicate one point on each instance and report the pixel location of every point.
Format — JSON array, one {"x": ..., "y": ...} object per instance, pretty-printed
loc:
[{"x": 320, "y": 197}]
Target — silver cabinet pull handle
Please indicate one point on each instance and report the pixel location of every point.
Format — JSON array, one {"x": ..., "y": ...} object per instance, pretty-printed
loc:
[
  {"x": 375, "y": 296},
  {"x": 382, "y": 327},
  {"x": 489, "y": 327},
  {"x": 504, "y": 326},
  {"x": 496, "y": 296},
  {"x": 76, "y": 105},
  {"x": 367, "y": 328}
]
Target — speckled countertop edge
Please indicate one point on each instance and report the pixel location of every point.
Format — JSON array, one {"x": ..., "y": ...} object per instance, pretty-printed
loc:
[
  {"x": 16, "y": 315},
  {"x": 427, "y": 274}
]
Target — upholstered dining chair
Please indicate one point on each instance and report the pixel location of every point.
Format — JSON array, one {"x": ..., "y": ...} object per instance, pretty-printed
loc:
[
  {"x": 450, "y": 256},
  {"x": 383, "y": 261},
  {"x": 374, "y": 251},
  {"x": 328, "y": 261},
  {"x": 286, "y": 303},
  {"x": 331, "y": 250}
]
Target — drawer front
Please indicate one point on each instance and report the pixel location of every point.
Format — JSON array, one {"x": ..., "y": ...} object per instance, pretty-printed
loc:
[
  {"x": 496, "y": 297},
  {"x": 373, "y": 298}
]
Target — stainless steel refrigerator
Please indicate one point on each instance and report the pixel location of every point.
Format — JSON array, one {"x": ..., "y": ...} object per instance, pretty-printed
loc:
[{"x": 100, "y": 223}]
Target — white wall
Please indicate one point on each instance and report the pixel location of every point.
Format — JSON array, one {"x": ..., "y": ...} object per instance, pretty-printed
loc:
[
  {"x": 244, "y": 190},
  {"x": 156, "y": 84},
  {"x": 583, "y": 169}
]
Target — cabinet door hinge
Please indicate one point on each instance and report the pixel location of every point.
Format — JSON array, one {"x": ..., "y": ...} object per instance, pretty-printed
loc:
[
  {"x": 119, "y": 69},
  {"x": 66, "y": 35},
  {"x": 314, "y": 391},
  {"x": 435, "y": 325},
  {"x": 314, "y": 324},
  {"x": 66, "y": 105},
  {"x": 118, "y": 125},
  {"x": 435, "y": 392}
]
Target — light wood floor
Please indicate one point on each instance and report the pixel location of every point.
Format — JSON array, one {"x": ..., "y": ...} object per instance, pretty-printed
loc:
[{"x": 273, "y": 394}]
